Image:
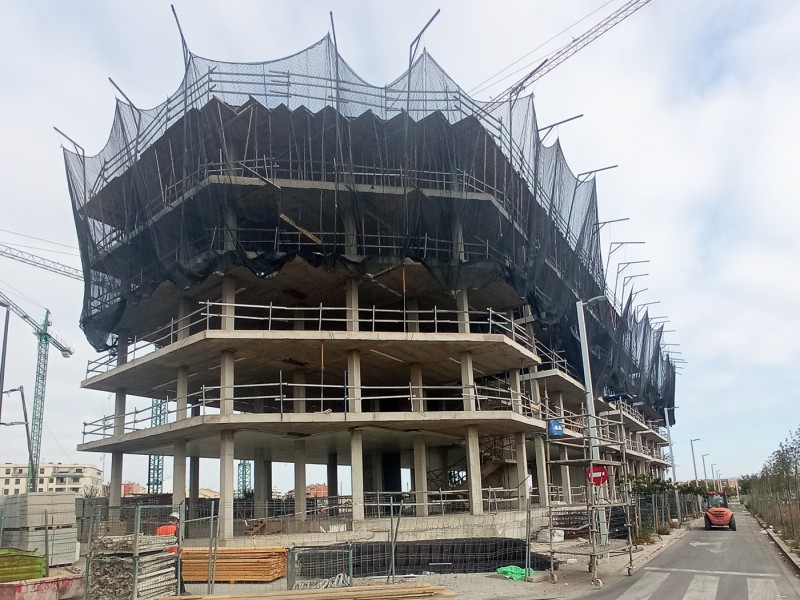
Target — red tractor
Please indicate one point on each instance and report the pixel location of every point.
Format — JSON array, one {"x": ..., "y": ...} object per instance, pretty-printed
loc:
[{"x": 717, "y": 512}]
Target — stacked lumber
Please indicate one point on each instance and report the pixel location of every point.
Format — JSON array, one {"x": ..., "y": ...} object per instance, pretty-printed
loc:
[
  {"x": 111, "y": 576},
  {"x": 367, "y": 592},
  {"x": 235, "y": 565}
]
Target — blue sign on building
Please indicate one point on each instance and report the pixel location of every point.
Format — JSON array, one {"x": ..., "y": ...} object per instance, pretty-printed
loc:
[{"x": 555, "y": 428}]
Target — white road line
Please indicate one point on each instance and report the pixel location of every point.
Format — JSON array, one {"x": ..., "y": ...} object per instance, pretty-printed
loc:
[
  {"x": 699, "y": 572},
  {"x": 762, "y": 589},
  {"x": 645, "y": 587},
  {"x": 704, "y": 587}
]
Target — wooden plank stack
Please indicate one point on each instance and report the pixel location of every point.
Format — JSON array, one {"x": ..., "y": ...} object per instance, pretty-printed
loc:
[
  {"x": 367, "y": 592},
  {"x": 235, "y": 565},
  {"x": 114, "y": 573}
]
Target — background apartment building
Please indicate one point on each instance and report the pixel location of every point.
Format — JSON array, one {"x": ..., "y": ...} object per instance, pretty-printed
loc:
[{"x": 81, "y": 479}]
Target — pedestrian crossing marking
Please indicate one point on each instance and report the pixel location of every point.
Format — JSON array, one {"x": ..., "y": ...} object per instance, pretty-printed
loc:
[
  {"x": 762, "y": 589},
  {"x": 704, "y": 587},
  {"x": 700, "y": 572},
  {"x": 645, "y": 587}
]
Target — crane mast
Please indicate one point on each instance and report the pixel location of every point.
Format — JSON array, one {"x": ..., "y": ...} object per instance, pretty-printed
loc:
[{"x": 46, "y": 339}]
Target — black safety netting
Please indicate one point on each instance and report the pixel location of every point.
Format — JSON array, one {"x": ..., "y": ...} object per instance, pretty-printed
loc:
[{"x": 254, "y": 164}]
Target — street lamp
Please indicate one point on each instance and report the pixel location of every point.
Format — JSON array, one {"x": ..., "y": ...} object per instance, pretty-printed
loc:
[
  {"x": 594, "y": 449},
  {"x": 694, "y": 464},
  {"x": 705, "y": 476},
  {"x": 714, "y": 479},
  {"x": 3, "y": 357},
  {"x": 672, "y": 458}
]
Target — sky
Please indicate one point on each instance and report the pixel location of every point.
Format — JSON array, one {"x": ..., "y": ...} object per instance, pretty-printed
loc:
[{"x": 695, "y": 101}]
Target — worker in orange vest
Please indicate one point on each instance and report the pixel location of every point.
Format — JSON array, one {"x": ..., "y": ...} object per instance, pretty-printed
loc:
[{"x": 171, "y": 529}]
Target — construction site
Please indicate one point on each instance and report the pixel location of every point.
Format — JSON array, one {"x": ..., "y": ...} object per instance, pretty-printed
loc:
[{"x": 298, "y": 266}]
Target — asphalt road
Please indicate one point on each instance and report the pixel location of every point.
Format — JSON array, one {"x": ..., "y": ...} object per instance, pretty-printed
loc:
[{"x": 704, "y": 565}]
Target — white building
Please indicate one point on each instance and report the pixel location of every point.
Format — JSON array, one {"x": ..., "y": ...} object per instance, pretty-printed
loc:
[{"x": 52, "y": 477}]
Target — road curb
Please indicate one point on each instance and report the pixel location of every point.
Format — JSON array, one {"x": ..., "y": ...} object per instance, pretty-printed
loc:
[{"x": 783, "y": 546}]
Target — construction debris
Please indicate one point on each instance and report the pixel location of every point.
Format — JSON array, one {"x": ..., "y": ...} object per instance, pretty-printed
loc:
[
  {"x": 366, "y": 592},
  {"x": 235, "y": 565}
]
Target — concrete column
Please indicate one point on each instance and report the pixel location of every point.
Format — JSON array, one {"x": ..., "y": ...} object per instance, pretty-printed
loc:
[
  {"x": 268, "y": 479},
  {"x": 194, "y": 478},
  {"x": 357, "y": 473},
  {"x": 182, "y": 392},
  {"x": 333, "y": 474},
  {"x": 412, "y": 315},
  {"x": 515, "y": 384},
  {"x": 474, "y": 480},
  {"x": 560, "y": 403},
  {"x": 179, "y": 472},
  {"x": 120, "y": 400},
  {"x": 115, "y": 488},
  {"x": 541, "y": 470},
  {"x": 226, "y": 382},
  {"x": 226, "y": 484},
  {"x": 468, "y": 382},
  {"x": 417, "y": 391},
  {"x": 377, "y": 472},
  {"x": 231, "y": 224},
  {"x": 182, "y": 325},
  {"x": 300, "y": 480},
  {"x": 354, "y": 381},
  {"x": 228, "y": 310},
  {"x": 522, "y": 482},
  {"x": 351, "y": 299},
  {"x": 462, "y": 305},
  {"x": 421, "y": 475},
  {"x": 566, "y": 478},
  {"x": 259, "y": 483},
  {"x": 299, "y": 391}
]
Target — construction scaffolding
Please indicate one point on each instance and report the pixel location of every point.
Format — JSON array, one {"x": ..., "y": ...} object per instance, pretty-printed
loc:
[
  {"x": 257, "y": 164},
  {"x": 598, "y": 522}
]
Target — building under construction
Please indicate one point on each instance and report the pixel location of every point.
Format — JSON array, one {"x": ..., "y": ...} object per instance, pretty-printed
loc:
[{"x": 312, "y": 269}]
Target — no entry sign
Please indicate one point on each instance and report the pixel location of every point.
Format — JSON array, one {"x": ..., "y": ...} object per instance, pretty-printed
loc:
[{"x": 597, "y": 475}]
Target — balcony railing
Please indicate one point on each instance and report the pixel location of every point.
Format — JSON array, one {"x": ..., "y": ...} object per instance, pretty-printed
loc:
[
  {"x": 291, "y": 398},
  {"x": 272, "y": 317}
]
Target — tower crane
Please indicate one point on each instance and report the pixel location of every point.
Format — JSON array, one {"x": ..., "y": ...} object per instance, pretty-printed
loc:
[
  {"x": 46, "y": 339},
  {"x": 155, "y": 464},
  {"x": 565, "y": 52}
]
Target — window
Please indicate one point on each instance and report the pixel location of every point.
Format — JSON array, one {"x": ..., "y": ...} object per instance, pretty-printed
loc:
[
  {"x": 51, "y": 480},
  {"x": 41, "y": 481},
  {"x": 76, "y": 480},
  {"x": 41, "y": 471},
  {"x": 79, "y": 470},
  {"x": 8, "y": 481},
  {"x": 16, "y": 492},
  {"x": 74, "y": 489},
  {"x": 60, "y": 480},
  {"x": 16, "y": 481},
  {"x": 61, "y": 489},
  {"x": 41, "y": 490},
  {"x": 8, "y": 471},
  {"x": 5, "y": 492}
]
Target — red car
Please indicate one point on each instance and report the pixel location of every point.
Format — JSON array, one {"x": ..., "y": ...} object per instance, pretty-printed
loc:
[{"x": 718, "y": 514}]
